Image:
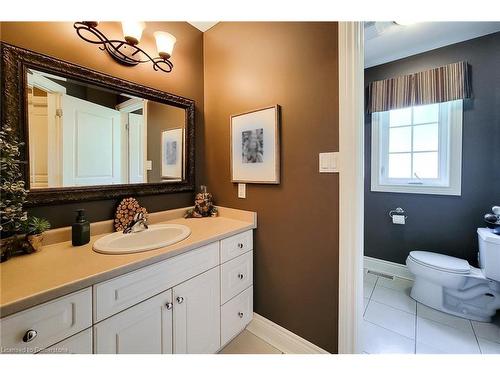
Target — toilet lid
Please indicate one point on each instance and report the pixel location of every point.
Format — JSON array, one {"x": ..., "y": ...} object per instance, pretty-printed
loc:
[{"x": 441, "y": 262}]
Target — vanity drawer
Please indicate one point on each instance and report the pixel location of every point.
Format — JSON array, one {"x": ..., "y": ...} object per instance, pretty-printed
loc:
[
  {"x": 236, "y": 276},
  {"x": 236, "y": 245},
  {"x": 235, "y": 315},
  {"x": 117, "y": 294},
  {"x": 81, "y": 343},
  {"x": 48, "y": 323}
]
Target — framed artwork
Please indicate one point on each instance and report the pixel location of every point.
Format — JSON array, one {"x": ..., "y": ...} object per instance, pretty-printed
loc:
[
  {"x": 255, "y": 146},
  {"x": 171, "y": 153}
]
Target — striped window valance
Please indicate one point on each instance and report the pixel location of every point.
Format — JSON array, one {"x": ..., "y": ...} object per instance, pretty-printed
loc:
[{"x": 443, "y": 84}]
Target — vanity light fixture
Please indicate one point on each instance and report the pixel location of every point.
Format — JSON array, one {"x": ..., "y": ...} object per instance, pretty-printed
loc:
[{"x": 127, "y": 51}]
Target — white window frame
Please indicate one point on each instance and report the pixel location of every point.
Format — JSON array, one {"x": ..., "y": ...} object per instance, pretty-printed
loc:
[{"x": 450, "y": 155}]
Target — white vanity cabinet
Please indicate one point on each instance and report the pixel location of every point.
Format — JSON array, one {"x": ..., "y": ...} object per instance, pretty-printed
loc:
[
  {"x": 183, "y": 320},
  {"x": 121, "y": 292},
  {"x": 194, "y": 302}
]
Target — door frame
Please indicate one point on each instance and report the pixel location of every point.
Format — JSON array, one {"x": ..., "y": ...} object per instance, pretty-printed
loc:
[
  {"x": 351, "y": 181},
  {"x": 54, "y": 92},
  {"x": 128, "y": 106}
]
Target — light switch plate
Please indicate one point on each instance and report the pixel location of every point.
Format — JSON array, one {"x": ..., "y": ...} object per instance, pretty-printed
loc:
[
  {"x": 242, "y": 190},
  {"x": 149, "y": 165},
  {"x": 328, "y": 162}
]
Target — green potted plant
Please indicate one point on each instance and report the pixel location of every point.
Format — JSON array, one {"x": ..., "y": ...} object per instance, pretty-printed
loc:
[
  {"x": 12, "y": 192},
  {"x": 33, "y": 229}
]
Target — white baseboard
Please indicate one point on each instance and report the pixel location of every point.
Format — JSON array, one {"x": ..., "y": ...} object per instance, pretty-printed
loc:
[
  {"x": 390, "y": 268},
  {"x": 281, "y": 338}
]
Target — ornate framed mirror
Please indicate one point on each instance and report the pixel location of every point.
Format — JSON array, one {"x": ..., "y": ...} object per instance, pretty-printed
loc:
[{"x": 91, "y": 136}]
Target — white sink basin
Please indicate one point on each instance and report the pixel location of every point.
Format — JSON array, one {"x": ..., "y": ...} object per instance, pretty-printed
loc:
[{"x": 156, "y": 236}]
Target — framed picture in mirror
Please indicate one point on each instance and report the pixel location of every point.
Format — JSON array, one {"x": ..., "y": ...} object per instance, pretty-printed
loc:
[{"x": 172, "y": 151}]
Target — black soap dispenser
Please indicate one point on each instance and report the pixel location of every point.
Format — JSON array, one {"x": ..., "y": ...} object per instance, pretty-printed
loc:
[{"x": 80, "y": 230}]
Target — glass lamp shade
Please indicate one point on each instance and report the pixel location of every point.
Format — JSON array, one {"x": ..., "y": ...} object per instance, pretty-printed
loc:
[
  {"x": 132, "y": 31},
  {"x": 164, "y": 43}
]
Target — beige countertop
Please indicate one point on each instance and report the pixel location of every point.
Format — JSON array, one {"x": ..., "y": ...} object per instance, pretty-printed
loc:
[{"x": 59, "y": 268}]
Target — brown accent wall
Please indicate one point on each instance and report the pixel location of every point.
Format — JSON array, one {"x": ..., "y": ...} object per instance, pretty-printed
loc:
[
  {"x": 59, "y": 39},
  {"x": 252, "y": 65}
]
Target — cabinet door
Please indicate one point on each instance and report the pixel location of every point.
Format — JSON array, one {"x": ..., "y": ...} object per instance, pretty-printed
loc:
[
  {"x": 197, "y": 314},
  {"x": 144, "y": 328}
]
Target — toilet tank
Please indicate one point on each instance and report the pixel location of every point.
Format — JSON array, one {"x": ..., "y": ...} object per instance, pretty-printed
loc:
[{"x": 489, "y": 253}]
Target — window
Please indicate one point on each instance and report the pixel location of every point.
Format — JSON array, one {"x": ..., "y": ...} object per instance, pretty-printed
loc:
[{"x": 418, "y": 149}]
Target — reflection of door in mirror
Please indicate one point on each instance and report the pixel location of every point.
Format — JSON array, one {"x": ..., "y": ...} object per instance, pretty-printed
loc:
[
  {"x": 92, "y": 139},
  {"x": 84, "y": 135}
]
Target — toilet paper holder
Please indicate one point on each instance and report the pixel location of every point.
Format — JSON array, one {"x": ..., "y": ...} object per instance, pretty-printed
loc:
[{"x": 397, "y": 211}]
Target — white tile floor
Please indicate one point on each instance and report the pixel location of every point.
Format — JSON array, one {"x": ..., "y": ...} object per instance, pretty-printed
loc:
[{"x": 394, "y": 323}]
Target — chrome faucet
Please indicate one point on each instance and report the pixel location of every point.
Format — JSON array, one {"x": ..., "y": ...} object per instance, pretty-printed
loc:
[{"x": 138, "y": 224}]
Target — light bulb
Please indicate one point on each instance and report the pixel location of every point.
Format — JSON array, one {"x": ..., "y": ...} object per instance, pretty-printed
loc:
[
  {"x": 164, "y": 43},
  {"x": 132, "y": 31}
]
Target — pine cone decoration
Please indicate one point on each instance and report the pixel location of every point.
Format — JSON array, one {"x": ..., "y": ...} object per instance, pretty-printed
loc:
[
  {"x": 126, "y": 211},
  {"x": 203, "y": 206}
]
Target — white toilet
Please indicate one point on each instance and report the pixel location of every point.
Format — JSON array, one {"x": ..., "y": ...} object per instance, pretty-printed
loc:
[{"x": 452, "y": 285}]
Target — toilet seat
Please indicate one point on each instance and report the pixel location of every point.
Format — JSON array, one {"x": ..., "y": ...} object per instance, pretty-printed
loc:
[{"x": 440, "y": 262}]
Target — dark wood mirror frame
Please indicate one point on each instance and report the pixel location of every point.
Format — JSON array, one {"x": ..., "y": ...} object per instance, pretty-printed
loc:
[{"x": 15, "y": 63}]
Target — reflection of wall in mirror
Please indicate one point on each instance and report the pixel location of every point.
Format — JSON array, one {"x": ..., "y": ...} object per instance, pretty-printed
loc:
[{"x": 162, "y": 117}]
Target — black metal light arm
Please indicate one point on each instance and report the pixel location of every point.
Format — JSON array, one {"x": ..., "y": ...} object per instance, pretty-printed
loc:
[{"x": 123, "y": 52}]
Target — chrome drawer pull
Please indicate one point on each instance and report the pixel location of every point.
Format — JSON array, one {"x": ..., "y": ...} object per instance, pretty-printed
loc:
[
  {"x": 240, "y": 245},
  {"x": 180, "y": 299},
  {"x": 30, "y": 335},
  {"x": 240, "y": 276},
  {"x": 169, "y": 305},
  {"x": 240, "y": 314}
]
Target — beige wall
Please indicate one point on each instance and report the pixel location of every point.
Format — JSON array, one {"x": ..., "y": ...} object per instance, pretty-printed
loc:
[
  {"x": 59, "y": 40},
  {"x": 253, "y": 65}
]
